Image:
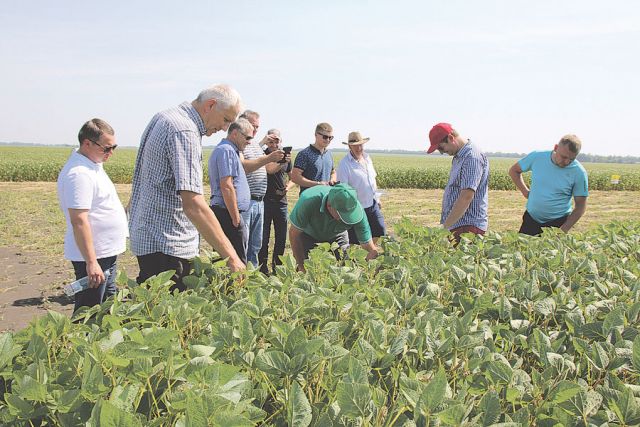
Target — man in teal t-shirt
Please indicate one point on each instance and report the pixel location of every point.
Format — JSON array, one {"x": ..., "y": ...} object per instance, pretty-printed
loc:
[
  {"x": 556, "y": 177},
  {"x": 325, "y": 214}
]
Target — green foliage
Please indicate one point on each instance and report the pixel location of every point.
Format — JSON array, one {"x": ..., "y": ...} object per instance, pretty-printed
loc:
[
  {"x": 503, "y": 330},
  {"x": 394, "y": 171}
]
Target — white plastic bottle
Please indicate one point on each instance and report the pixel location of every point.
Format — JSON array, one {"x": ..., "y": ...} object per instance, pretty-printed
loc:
[{"x": 81, "y": 284}]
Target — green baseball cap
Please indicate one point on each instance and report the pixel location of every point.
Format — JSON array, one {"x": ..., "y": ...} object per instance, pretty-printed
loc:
[{"x": 344, "y": 199}]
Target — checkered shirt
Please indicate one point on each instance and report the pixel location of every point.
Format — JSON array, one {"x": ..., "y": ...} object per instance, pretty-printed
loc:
[{"x": 169, "y": 161}]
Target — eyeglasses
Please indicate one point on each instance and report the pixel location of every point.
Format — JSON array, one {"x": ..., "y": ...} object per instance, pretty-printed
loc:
[
  {"x": 248, "y": 138},
  {"x": 325, "y": 137},
  {"x": 105, "y": 150}
]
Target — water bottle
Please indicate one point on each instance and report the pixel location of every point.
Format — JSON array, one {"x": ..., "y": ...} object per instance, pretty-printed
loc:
[{"x": 81, "y": 284}]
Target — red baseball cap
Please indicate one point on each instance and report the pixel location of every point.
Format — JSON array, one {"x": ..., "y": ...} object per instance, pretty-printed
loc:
[{"x": 437, "y": 134}]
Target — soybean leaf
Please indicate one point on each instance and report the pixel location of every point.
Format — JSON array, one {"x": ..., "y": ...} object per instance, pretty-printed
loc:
[
  {"x": 107, "y": 415},
  {"x": 635, "y": 358},
  {"x": 626, "y": 408},
  {"x": 8, "y": 350},
  {"x": 490, "y": 407},
  {"x": 453, "y": 415},
  {"x": 433, "y": 394},
  {"x": 565, "y": 390},
  {"x": 298, "y": 407},
  {"x": 273, "y": 362},
  {"x": 353, "y": 399},
  {"x": 499, "y": 372}
]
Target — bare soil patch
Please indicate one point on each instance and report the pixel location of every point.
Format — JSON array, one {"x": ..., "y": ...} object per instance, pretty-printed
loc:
[{"x": 27, "y": 287}]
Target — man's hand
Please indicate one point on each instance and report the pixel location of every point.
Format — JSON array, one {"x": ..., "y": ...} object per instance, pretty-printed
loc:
[
  {"x": 235, "y": 264},
  {"x": 276, "y": 156},
  {"x": 95, "y": 274}
]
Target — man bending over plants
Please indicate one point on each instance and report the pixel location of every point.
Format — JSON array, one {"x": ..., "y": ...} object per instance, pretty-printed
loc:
[{"x": 325, "y": 214}]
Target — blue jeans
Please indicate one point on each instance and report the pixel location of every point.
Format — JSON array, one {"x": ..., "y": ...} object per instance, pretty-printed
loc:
[
  {"x": 276, "y": 213},
  {"x": 92, "y": 296},
  {"x": 253, "y": 219}
]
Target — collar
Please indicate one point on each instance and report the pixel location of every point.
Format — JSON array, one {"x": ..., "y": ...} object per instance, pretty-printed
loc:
[
  {"x": 323, "y": 205},
  {"x": 313, "y": 147},
  {"x": 85, "y": 161},
  {"x": 464, "y": 150},
  {"x": 226, "y": 141},
  {"x": 365, "y": 157},
  {"x": 194, "y": 116}
]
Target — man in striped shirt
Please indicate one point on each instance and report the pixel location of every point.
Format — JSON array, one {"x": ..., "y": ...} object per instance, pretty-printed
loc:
[
  {"x": 257, "y": 165},
  {"x": 167, "y": 208},
  {"x": 466, "y": 198}
]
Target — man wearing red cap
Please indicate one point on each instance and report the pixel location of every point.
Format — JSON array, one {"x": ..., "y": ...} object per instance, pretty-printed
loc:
[{"x": 466, "y": 197}]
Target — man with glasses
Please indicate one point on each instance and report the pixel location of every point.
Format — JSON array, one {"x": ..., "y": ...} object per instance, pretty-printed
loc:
[
  {"x": 96, "y": 221},
  {"x": 257, "y": 165},
  {"x": 556, "y": 177},
  {"x": 230, "y": 194},
  {"x": 314, "y": 164},
  {"x": 466, "y": 198},
  {"x": 168, "y": 208}
]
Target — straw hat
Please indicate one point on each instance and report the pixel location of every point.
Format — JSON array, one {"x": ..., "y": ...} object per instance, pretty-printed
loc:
[{"x": 355, "y": 138}]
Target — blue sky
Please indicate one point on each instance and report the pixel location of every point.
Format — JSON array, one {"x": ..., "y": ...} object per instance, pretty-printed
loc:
[{"x": 510, "y": 75}]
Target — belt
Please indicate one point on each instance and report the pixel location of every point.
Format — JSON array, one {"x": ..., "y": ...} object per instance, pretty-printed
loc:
[{"x": 257, "y": 198}]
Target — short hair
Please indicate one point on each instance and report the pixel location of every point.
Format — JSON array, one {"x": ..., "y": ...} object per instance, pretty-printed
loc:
[
  {"x": 241, "y": 124},
  {"x": 572, "y": 142},
  {"x": 93, "y": 130},
  {"x": 326, "y": 127},
  {"x": 225, "y": 96},
  {"x": 249, "y": 114}
]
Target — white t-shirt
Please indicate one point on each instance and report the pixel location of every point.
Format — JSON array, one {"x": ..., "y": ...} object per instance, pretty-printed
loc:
[{"x": 83, "y": 184}]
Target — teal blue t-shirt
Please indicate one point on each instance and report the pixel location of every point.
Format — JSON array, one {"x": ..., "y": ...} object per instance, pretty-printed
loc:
[
  {"x": 552, "y": 187},
  {"x": 310, "y": 215}
]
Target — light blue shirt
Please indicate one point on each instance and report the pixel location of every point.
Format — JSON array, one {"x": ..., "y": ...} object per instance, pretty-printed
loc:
[
  {"x": 552, "y": 187},
  {"x": 225, "y": 161}
]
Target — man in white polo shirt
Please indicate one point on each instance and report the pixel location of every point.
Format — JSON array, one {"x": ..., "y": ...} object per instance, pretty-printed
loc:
[{"x": 96, "y": 221}]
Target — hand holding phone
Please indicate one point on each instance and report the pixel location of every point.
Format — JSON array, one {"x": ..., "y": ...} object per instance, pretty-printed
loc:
[{"x": 287, "y": 152}]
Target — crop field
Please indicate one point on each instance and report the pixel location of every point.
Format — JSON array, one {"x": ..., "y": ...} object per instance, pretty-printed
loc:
[
  {"x": 394, "y": 170},
  {"x": 507, "y": 330}
]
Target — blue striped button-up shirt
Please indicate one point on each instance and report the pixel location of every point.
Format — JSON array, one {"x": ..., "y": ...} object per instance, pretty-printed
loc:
[
  {"x": 169, "y": 161},
  {"x": 469, "y": 170}
]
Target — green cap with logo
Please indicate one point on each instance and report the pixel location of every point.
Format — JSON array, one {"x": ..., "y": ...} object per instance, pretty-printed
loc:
[{"x": 344, "y": 199}]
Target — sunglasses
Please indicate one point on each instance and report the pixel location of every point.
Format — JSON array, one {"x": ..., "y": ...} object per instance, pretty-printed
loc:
[
  {"x": 105, "y": 150},
  {"x": 326, "y": 137},
  {"x": 248, "y": 138}
]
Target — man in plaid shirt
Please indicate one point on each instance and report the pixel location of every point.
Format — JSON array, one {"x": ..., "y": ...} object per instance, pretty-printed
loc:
[{"x": 168, "y": 208}]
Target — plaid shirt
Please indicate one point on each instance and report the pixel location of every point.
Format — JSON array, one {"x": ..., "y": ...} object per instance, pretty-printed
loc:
[
  {"x": 469, "y": 170},
  {"x": 169, "y": 161}
]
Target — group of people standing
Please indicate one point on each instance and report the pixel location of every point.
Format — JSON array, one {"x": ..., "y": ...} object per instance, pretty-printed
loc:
[{"x": 168, "y": 212}]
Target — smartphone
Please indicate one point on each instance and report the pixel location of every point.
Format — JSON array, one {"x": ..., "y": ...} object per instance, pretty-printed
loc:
[{"x": 287, "y": 150}]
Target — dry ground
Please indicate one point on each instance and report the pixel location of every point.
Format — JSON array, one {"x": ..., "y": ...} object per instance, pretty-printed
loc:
[{"x": 33, "y": 271}]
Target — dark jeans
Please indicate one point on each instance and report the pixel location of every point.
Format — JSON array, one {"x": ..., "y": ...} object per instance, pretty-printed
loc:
[
  {"x": 341, "y": 239},
  {"x": 276, "y": 213},
  {"x": 237, "y": 235},
  {"x": 92, "y": 296},
  {"x": 533, "y": 228},
  {"x": 157, "y": 262},
  {"x": 376, "y": 223}
]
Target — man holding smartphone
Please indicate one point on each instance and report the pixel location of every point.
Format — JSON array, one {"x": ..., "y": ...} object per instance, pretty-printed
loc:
[{"x": 276, "y": 208}]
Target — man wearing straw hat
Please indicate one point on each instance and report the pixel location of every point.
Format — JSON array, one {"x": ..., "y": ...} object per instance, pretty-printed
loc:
[
  {"x": 356, "y": 169},
  {"x": 556, "y": 177}
]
